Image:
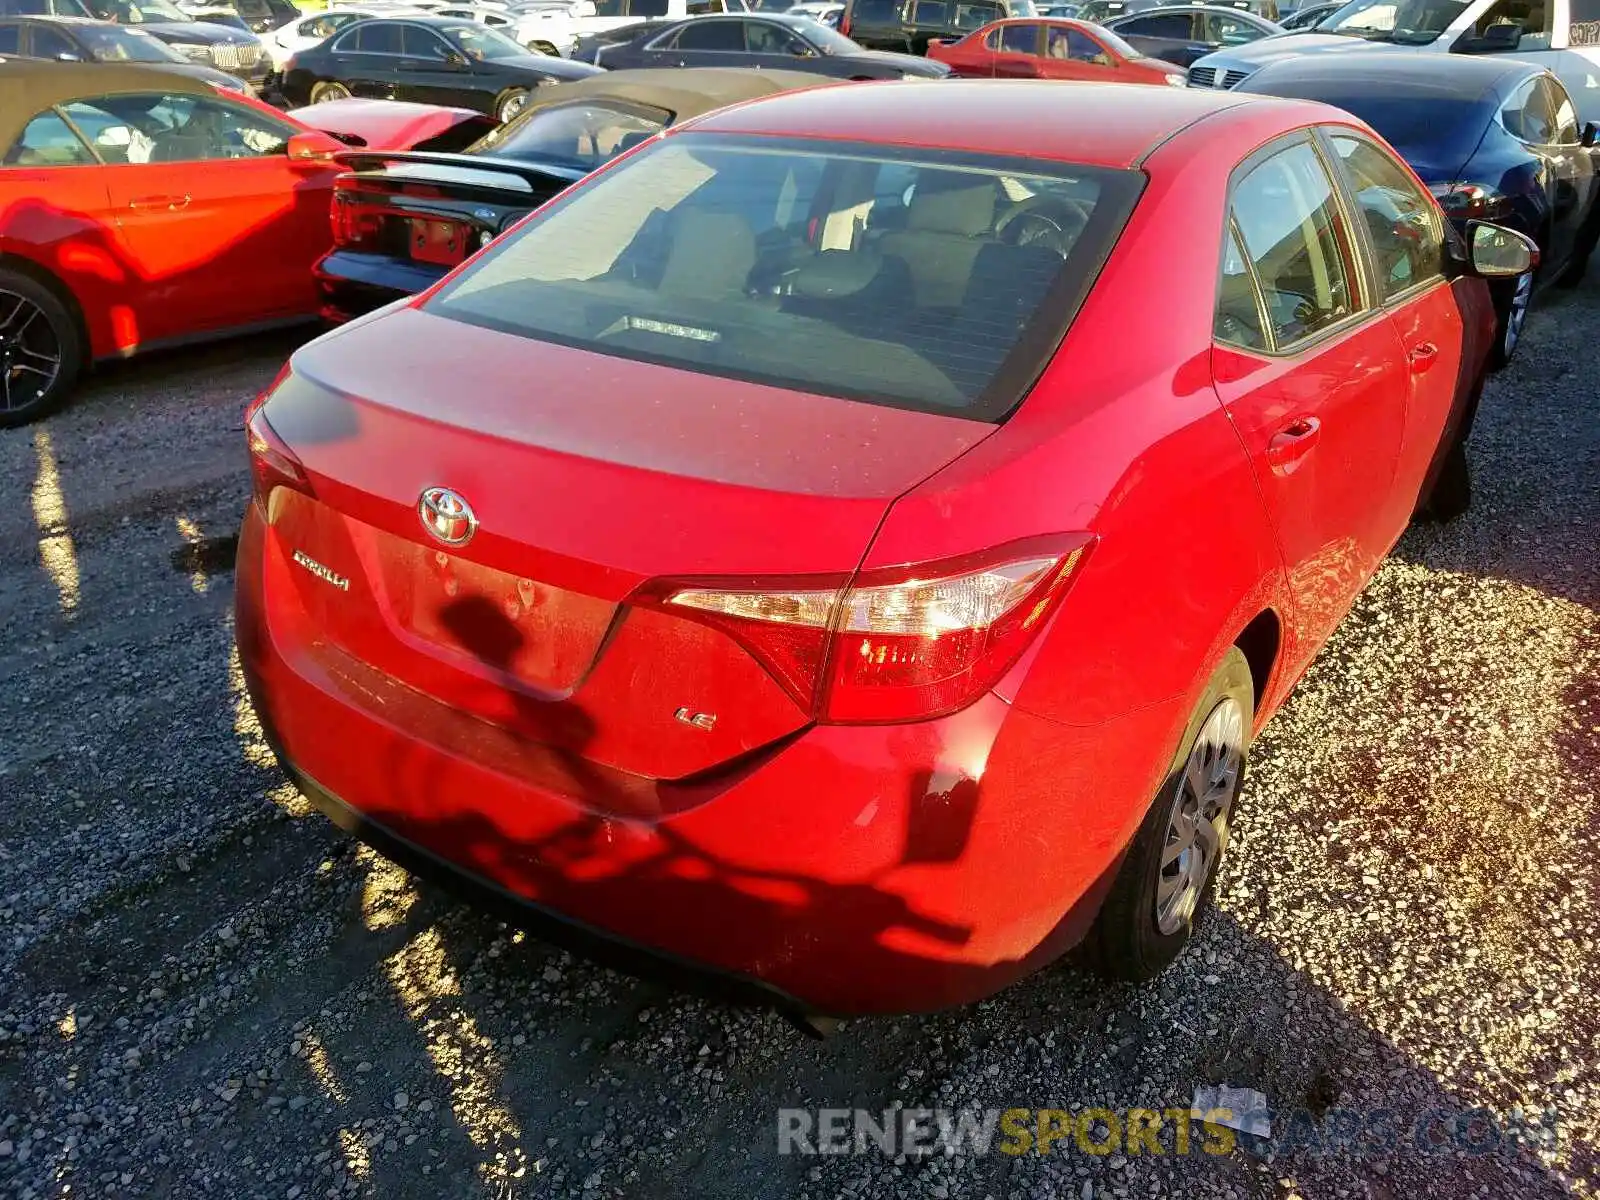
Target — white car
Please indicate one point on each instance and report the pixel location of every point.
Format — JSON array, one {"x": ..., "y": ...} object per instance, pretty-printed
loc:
[
  {"x": 557, "y": 28},
  {"x": 288, "y": 40}
]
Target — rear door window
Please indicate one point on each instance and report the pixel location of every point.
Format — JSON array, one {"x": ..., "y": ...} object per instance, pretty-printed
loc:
[
  {"x": 1528, "y": 116},
  {"x": 1297, "y": 244},
  {"x": 876, "y": 12},
  {"x": 380, "y": 37},
  {"x": 1177, "y": 26},
  {"x": 712, "y": 35},
  {"x": 1019, "y": 39},
  {"x": 761, "y": 259}
]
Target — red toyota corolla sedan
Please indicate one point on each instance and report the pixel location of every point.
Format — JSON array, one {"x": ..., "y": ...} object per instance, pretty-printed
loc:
[
  {"x": 849, "y": 543},
  {"x": 1052, "y": 48}
]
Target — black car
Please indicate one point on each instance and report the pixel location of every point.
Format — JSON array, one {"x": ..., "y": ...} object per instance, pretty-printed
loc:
[
  {"x": 907, "y": 26},
  {"x": 75, "y": 39},
  {"x": 775, "y": 41},
  {"x": 235, "y": 51},
  {"x": 401, "y": 220},
  {"x": 1494, "y": 139},
  {"x": 1182, "y": 33},
  {"x": 432, "y": 60}
]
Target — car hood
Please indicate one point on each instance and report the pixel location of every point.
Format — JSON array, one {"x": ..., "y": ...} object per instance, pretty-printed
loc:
[
  {"x": 911, "y": 63},
  {"x": 386, "y": 124},
  {"x": 1292, "y": 45},
  {"x": 203, "y": 33}
]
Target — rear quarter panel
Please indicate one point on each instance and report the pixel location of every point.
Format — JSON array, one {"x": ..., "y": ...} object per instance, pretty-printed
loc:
[{"x": 1123, "y": 436}]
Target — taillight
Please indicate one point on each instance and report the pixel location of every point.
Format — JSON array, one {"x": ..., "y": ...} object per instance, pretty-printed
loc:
[
  {"x": 902, "y": 644},
  {"x": 272, "y": 463},
  {"x": 354, "y": 223}
]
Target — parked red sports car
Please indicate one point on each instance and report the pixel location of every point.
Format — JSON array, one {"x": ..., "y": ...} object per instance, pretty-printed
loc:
[
  {"x": 1054, "y": 48},
  {"x": 139, "y": 208},
  {"x": 849, "y": 542}
]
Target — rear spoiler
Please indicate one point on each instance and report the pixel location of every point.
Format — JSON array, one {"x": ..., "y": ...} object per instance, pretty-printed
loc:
[{"x": 536, "y": 174}]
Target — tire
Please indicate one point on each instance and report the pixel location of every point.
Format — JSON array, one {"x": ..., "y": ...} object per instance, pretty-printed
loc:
[
  {"x": 509, "y": 103},
  {"x": 1511, "y": 300},
  {"x": 327, "y": 89},
  {"x": 1451, "y": 494},
  {"x": 41, "y": 350},
  {"x": 1150, "y": 912}
]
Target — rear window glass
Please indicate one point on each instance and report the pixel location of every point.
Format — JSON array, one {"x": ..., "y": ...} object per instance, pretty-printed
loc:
[{"x": 932, "y": 280}]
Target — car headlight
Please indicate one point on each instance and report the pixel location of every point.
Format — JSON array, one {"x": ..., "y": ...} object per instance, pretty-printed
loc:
[
  {"x": 195, "y": 50},
  {"x": 1177, "y": 81}
]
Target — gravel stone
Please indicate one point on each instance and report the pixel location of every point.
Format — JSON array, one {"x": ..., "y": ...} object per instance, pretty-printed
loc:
[{"x": 1406, "y": 922}]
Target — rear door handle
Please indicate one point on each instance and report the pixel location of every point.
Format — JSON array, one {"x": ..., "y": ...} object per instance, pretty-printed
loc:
[
  {"x": 170, "y": 203},
  {"x": 1292, "y": 443},
  {"x": 1422, "y": 357}
]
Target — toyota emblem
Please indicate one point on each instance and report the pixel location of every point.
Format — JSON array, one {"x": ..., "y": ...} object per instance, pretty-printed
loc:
[{"x": 447, "y": 516}]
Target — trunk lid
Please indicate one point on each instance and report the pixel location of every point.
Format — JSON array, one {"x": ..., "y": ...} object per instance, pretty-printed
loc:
[
  {"x": 588, "y": 475},
  {"x": 435, "y": 208}
]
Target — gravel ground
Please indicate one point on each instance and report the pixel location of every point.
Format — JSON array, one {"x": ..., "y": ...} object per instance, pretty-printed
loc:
[{"x": 205, "y": 992}]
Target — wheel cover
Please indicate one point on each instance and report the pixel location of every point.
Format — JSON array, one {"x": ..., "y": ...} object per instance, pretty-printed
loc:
[
  {"x": 512, "y": 105},
  {"x": 1198, "y": 830},
  {"x": 329, "y": 91},
  {"x": 1517, "y": 314},
  {"x": 30, "y": 353}
]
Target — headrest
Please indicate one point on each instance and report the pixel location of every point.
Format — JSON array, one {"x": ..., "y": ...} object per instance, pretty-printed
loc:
[{"x": 941, "y": 204}]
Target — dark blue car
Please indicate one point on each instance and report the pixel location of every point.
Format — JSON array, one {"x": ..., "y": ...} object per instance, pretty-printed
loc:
[{"x": 1494, "y": 139}]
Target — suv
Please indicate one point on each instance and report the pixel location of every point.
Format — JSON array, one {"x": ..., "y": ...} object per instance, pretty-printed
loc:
[{"x": 909, "y": 25}]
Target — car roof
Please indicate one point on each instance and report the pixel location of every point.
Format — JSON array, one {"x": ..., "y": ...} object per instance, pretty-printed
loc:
[
  {"x": 1394, "y": 77},
  {"x": 1166, "y": 9},
  {"x": 685, "y": 93},
  {"x": 28, "y": 86},
  {"x": 54, "y": 19},
  {"x": 1097, "y": 124}
]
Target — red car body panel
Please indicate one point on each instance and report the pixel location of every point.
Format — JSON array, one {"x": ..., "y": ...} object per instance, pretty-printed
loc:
[
  {"x": 157, "y": 253},
  {"x": 856, "y": 868},
  {"x": 972, "y": 57},
  {"x": 388, "y": 124}
]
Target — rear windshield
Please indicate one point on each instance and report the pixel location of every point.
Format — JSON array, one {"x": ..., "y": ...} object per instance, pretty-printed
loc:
[{"x": 927, "y": 280}]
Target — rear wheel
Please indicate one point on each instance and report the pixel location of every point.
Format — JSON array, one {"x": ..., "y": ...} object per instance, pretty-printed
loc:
[
  {"x": 327, "y": 89},
  {"x": 41, "y": 350},
  {"x": 1511, "y": 300},
  {"x": 509, "y": 103},
  {"x": 1165, "y": 880}
]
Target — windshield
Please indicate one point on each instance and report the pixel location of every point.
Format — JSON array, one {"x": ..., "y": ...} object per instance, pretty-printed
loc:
[
  {"x": 113, "y": 43},
  {"x": 482, "y": 43},
  {"x": 138, "y": 12},
  {"x": 584, "y": 134},
  {"x": 829, "y": 41},
  {"x": 928, "y": 280},
  {"x": 1410, "y": 22}
]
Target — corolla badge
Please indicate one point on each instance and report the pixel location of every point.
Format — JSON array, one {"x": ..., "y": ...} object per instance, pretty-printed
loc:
[{"x": 447, "y": 516}]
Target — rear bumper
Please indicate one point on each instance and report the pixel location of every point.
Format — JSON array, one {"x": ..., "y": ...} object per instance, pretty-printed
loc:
[
  {"x": 846, "y": 870},
  {"x": 351, "y": 283}
]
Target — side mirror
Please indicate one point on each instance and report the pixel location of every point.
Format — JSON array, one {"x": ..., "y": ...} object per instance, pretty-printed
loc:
[
  {"x": 69, "y": 56},
  {"x": 1503, "y": 36},
  {"x": 1495, "y": 252},
  {"x": 312, "y": 148},
  {"x": 1591, "y": 134},
  {"x": 456, "y": 59},
  {"x": 1494, "y": 40},
  {"x": 801, "y": 50}
]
